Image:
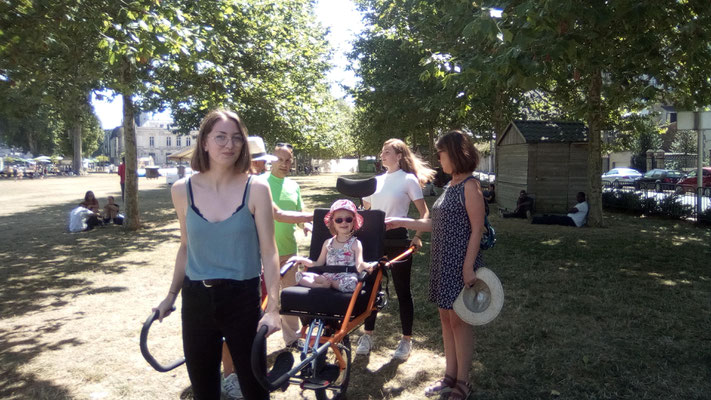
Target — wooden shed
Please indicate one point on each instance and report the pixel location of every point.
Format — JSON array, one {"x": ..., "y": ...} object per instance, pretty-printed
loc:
[{"x": 547, "y": 159}]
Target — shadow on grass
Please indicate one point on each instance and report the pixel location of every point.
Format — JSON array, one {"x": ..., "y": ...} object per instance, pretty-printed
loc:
[
  {"x": 20, "y": 344},
  {"x": 41, "y": 265},
  {"x": 623, "y": 305},
  {"x": 39, "y": 258}
]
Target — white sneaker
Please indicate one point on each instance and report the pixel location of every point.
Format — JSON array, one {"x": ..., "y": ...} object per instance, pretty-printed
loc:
[
  {"x": 402, "y": 352},
  {"x": 365, "y": 343},
  {"x": 230, "y": 387}
]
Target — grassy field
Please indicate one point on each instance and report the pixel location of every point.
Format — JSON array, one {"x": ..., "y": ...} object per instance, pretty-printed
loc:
[{"x": 622, "y": 312}]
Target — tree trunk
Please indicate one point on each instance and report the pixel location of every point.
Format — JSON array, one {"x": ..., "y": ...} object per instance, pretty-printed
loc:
[
  {"x": 129, "y": 131},
  {"x": 431, "y": 145},
  {"x": 75, "y": 132},
  {"x": 31, "y": 141},
  {"x": 594, "y": 195}
]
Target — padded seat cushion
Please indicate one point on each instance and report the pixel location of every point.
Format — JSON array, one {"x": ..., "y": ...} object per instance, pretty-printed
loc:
[{"x": 325, "y": 302}]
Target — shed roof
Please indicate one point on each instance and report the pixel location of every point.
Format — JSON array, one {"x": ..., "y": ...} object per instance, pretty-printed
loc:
[{"x": 551, "y": 131}]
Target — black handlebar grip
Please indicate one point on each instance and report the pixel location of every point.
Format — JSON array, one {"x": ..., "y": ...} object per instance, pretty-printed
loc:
[
  {"x": 144, "y": 346},
  {"x": 258, "y": 359}
]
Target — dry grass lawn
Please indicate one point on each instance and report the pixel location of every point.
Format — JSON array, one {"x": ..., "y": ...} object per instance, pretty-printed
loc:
[
  {"x": 73, "y": 304},
  {"x": 622, "y": 312}
]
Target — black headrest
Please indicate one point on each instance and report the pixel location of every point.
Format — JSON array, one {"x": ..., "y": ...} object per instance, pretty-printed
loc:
[
  {"x": 356, "y": 187},
  {"x": 371, "y": 234}
]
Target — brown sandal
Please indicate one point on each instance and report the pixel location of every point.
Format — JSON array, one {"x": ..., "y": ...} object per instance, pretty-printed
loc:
[
  {"x": 461, "y": 391},
  {"x": 443, "y": 385}
]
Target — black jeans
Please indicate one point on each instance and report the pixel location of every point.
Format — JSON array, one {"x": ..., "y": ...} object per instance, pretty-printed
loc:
[
  {"x": 554, "y": 220},
  {"x": 230, "y": 310},
  {"x": 400, "y": 273}
]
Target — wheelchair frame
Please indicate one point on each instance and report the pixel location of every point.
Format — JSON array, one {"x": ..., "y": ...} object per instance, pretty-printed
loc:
[{"x": 324, "y": 333}]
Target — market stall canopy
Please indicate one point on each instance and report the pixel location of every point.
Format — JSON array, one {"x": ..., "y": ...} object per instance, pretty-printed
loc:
[
  {"x": 43, "y": 159},
  {"x": 183, "y": 155}
]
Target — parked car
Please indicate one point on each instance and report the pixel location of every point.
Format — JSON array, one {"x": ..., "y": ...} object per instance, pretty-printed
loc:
[
  {"x": 619, "y": 177},
  {"x": 659, "y": 179},
  {"x": 689, "y": 183}
]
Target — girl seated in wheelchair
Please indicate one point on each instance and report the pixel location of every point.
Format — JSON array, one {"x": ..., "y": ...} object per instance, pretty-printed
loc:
[{"x": 343, "y": 249}]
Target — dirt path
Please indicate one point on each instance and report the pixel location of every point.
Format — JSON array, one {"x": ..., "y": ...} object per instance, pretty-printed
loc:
[{"x": 72, "y": 305}]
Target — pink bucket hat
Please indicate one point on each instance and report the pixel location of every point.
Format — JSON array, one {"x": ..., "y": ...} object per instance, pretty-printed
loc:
[{"x": 348, "y": 205}]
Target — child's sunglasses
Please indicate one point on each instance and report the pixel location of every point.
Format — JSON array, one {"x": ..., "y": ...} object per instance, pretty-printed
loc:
[{"x": 340, "y": 220}]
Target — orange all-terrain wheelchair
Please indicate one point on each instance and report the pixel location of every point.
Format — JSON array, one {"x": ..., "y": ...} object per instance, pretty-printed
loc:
[{"x": 328, "y": 316}]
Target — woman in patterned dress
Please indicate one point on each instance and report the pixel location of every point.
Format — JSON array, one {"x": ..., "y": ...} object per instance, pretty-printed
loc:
[{"x": 456, "y": 223}]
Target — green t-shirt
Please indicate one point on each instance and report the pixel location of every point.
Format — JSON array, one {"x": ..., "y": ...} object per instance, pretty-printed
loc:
[{"x": 287, "y": 196}]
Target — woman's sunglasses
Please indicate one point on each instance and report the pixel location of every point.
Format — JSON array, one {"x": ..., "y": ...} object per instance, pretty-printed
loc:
[
  {"x": 287, "y": 145},
  {"x": 340, "y": 220}
]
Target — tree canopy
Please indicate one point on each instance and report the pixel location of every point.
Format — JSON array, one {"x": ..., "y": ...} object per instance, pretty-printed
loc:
[
  {"x": 593, "y": 61},
  {"x": 266, "y": 60}
]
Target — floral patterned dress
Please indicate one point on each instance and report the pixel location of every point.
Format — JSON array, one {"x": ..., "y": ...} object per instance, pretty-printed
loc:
[{"x": 451, "y": 231}]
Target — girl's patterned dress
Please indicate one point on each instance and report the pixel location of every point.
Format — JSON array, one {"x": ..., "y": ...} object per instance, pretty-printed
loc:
[
  {"x": 343, "y": 256},
  {"x": 451, "y": 231}
]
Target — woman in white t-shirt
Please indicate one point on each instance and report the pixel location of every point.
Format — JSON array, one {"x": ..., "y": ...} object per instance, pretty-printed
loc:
[{"x": 402, "y": 184}]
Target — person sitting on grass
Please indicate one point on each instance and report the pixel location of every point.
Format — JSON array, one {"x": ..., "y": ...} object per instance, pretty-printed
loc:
[
  {"x": 524, "y": 206},
  {"x": 343, "y": 249},
  {"x": 576, "y": 217},
  {"x": 111, "y": 212},
  {"x": 490, "y": 195},
  {"x": 92, "y": 204}
]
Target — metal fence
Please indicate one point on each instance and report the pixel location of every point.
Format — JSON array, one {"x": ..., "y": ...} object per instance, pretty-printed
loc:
[{"x": 663, "y": 200}]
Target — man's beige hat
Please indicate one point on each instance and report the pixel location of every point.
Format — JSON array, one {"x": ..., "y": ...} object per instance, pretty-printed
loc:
[
  {"x": 258, "y": 151},
  {"x": 482, "y": 302}
]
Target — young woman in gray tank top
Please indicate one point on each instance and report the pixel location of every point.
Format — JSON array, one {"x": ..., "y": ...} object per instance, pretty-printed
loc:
[{"x": 226, "y": 236}]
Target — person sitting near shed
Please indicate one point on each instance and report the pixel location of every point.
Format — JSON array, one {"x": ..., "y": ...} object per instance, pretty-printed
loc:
[
  {"x": 92, "y": 204},
  {"x": 576, "y": 217},
  {"x": 524, "y": 206},
  {"x": 490, "y": 195},
  {"x": 111, "y": 212}
]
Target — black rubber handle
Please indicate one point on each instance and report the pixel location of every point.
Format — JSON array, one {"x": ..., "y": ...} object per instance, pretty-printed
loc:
[
  {"x": 268, "y": 382},
  {"x": 144, "y": 346}
]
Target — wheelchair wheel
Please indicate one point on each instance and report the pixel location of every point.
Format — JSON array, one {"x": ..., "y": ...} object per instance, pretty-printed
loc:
[{"x": 328, "y": 368}]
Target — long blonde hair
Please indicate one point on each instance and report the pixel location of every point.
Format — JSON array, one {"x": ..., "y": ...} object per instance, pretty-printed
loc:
[{"x": 411, "y": 162}]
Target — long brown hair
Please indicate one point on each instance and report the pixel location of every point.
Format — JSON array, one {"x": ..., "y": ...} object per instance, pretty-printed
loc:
[
  {"x": 411, "y": 162},
  {"x": 201, "y": 161}
]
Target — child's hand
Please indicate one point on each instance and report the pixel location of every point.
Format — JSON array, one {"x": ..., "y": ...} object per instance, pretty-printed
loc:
[{"x": 370, "y": 266}]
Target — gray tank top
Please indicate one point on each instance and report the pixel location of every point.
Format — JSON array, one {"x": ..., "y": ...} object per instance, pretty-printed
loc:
[{"x": 227, "y": 249}]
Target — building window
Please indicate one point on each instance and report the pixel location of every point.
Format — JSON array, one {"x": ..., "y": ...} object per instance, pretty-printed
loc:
[
  {"x": 177, "y": 141},
  {"x": 187, "y": 141},
  {"x": 168, "y": 141},
  {"x": 151, "y": 142}
]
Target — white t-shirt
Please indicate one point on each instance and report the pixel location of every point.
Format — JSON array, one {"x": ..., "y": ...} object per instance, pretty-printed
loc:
[
  {"x": 394, "y": 193},
  {"x": 77, "y": 219},
  {"x": 579, "y": 217}
]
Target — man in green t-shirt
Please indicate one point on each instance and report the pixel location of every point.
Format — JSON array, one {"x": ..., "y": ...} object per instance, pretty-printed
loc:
[{"x": 286, "y": 194}]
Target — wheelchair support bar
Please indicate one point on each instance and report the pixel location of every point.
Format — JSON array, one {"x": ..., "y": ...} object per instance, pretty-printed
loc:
[
  {"x": 144, "y": 347},
  {"x": 272, "y": 383},
  {"x": 403, "y": 255},
  {"x": 284, "y": 269}
]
